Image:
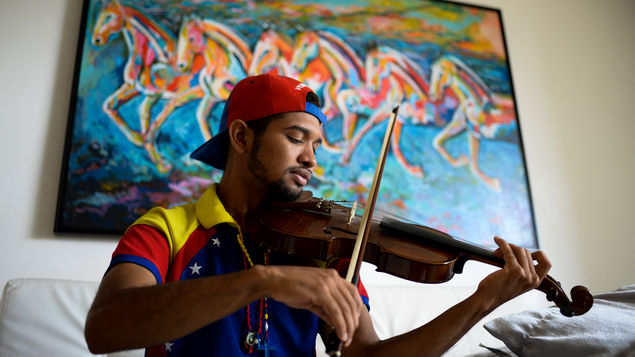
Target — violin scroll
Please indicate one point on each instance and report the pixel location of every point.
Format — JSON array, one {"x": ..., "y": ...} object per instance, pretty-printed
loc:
[{"x": 581, "y": 298}]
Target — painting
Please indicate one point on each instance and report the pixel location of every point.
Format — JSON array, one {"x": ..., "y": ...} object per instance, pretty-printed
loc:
[{"x": 152, "y": 77}]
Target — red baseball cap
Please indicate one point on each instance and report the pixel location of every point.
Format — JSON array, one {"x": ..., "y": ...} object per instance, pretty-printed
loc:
[{"x": 253, "y": 98}]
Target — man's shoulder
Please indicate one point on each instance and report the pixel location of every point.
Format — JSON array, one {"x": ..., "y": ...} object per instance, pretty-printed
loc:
[
  {"x": 176, "y": 213},
  {"x": 170, "y": 220}
]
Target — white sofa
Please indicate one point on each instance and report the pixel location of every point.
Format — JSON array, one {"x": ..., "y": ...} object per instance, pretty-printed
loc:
[{"x": 45, "y": 317}]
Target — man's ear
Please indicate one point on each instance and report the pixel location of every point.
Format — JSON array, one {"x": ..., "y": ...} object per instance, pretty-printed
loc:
[{"x": 239, "y": 136}]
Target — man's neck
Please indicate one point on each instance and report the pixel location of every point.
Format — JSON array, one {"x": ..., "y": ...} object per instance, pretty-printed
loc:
[{"x": 240, "y": 199}]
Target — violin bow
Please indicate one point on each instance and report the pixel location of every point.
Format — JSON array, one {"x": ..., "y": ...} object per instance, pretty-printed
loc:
[
  {"x": 333, "y": 344},
  {"x": 364, "y": 228}
]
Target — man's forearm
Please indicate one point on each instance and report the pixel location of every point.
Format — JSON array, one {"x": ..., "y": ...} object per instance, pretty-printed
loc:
[
  {"x": 137, "y": 317},
  {"x": 435, "y": 337},
  {"x": 519, "y": 275}
]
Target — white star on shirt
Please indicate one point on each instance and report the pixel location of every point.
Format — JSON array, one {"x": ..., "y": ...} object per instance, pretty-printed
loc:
[
  {"x": 195, "y": 268},
  {"x": 216, "y": 242},
  {"x": 168, "y": 346}
]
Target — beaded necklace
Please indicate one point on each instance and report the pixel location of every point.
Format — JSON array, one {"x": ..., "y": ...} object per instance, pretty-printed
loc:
[{"x": 252, "y": 339}]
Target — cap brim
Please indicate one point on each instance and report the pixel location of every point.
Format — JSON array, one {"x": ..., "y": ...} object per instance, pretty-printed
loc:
[
  {"x": 315, "y": 111},
  {"x": 213, "y": 152}
]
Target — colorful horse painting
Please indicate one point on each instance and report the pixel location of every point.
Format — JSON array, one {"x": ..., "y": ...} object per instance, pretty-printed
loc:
[
  {"x": 227, "y": 58},
  {"x": 395, "y": 80},
  {"x": 479, "y": 112},
  {"x": 148, "y": 72},
  {"x": 153, "y": 75}
]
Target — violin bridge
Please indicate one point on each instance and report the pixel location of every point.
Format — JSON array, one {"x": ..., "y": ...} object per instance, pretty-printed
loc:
[{"x": 352, "y": 213}]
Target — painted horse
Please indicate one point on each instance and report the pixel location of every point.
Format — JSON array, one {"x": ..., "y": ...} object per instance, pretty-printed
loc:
[
  {"x": 480, "y": 112},
  {"x": 328, "y": 65},
  {"x": 148, "y": 72},
  {"x": 392, "y": 79},
  {"x": 272, "y": 54},
  {"x": 227, "y": 58}
]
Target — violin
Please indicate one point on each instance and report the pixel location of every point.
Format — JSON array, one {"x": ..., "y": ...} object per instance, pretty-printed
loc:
[
  {"x": 320, "y": 229},
  {"x": 324, "y": 230}
]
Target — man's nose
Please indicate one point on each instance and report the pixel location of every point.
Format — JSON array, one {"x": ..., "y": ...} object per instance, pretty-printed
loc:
[{"x": 307, "y": 158}]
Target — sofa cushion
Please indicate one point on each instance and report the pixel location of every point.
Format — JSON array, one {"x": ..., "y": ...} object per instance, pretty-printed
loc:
[{"x": 46, "y": 317}]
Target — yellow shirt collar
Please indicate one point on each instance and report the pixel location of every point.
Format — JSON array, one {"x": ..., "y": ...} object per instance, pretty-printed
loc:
[{"x": 210, "y": 210}]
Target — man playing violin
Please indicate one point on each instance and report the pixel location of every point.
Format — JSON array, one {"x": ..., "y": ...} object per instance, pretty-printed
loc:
[{"x": 194, "y": 280}]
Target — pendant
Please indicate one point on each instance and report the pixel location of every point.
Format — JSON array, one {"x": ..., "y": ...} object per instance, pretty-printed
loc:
[{"x": 251, "y": 340}]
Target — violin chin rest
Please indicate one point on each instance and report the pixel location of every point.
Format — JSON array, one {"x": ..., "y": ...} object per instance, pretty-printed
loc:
[{"x": 305, "y": 196}]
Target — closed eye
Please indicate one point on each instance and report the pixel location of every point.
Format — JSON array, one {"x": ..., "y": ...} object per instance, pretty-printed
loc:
[{"x": 294, "y": 140}]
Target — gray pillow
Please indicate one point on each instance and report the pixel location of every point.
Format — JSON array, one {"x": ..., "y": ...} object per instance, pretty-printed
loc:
[{"x": 608, "y": 329}]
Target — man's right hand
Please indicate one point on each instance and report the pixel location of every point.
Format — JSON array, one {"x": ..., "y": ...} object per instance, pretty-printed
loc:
[{"x": 321, "y": 291}]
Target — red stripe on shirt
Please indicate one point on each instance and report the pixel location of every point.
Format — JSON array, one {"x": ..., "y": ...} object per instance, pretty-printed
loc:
[{"x": 146, "y": 241}]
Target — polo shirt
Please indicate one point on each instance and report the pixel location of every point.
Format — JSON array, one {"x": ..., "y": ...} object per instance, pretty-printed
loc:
[{"x": 201, "y": 239}]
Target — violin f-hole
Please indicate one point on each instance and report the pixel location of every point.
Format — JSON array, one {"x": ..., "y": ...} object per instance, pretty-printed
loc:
[{"x": 329, "y": 229}]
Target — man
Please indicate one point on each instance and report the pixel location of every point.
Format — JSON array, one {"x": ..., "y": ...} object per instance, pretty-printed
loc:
[{"x": 193, "y": 280}]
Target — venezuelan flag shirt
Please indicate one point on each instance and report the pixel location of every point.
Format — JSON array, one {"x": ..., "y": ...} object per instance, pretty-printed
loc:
[{"x": 198, "y": 240}]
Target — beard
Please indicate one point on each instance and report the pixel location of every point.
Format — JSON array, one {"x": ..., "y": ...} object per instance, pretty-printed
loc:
[{"x": 277, "y": 190}]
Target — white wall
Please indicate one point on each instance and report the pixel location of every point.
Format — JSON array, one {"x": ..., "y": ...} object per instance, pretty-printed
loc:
[{"x": 572, "y": 65}]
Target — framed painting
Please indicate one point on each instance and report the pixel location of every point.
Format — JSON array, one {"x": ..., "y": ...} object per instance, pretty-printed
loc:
[{"x": 152, "y": 77}]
